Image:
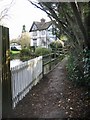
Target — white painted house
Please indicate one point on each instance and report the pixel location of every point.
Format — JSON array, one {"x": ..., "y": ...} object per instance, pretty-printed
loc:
[{"x": 41, "y": 33}]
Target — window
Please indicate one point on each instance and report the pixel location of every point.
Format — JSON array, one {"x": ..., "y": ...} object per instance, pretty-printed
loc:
[
  {"x": 34, "y": 42},
  {"x": 43, "y": 42},
  {"x": 43, "y": 32},
  {"x": 35, "y": 33}
]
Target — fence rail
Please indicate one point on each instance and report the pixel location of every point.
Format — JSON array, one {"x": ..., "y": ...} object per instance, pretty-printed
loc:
[
  {"x": 24, "y": 76},
  {"x": 50, "y": 61},
  {"x": 28, "y": 74}
]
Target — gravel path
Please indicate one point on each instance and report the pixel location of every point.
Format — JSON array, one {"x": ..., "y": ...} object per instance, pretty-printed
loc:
[{"x": 54, "y": 97}]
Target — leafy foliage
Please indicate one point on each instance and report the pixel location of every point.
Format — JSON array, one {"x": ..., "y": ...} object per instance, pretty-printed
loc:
[
  {"x": 68, "y": 17},
  {"x": 79, "y": 70},
  {"x": 42, "y": 51},
  {"x": 25, "y": 54},
  {"x": 14, "y": 55},
  {"x": 86, "y": 67},
  {"x": 25, "y": 40},
  {"x": 73, "y": 19},
  {"x": 56, "y": 44}
]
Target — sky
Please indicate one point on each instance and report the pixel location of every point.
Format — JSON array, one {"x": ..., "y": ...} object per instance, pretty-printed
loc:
[{"x": 21, "y": 13}]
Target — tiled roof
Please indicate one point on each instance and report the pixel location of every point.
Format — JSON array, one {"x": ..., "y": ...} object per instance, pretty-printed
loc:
[{"x": 41, "y": 26}]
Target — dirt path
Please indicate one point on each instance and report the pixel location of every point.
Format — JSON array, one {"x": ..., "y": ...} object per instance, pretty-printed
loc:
[{"x": 54, "y": 97}]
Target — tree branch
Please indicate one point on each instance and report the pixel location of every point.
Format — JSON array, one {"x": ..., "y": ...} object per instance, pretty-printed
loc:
[
  {"x": 80, "y": 24},
  {"x": 4, "y": 12}
]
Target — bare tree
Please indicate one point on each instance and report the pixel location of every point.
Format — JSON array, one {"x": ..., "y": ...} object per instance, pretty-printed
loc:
[{"x": 4, "y": 11}]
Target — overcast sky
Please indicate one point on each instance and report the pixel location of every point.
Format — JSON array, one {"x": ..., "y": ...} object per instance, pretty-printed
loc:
[{"x": 22, "y": 13}]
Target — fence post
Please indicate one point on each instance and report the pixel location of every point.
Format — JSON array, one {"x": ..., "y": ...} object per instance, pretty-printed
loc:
[
  {"x": 50, "y": 60},
  {"x": 0, "y": 73},
  {"x": 43, "y": 66},
  {"x": 6, "y": 77}
]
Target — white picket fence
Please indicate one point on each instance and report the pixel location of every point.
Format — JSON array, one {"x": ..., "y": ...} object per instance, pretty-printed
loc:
[{"x": 24, "y": 76}]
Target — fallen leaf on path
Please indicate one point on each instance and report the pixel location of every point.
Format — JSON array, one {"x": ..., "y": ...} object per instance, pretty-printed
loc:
[
  {"x": 68, "y": 100},
  {"x": 32, "y": 104},
  {"x": 66, "y": 113},
  {"x": 71, "y": 108},
  {"x": 59, "y": 105},
  {"x": 59, "y": 101},
  {"x": 33, "y": 94}
]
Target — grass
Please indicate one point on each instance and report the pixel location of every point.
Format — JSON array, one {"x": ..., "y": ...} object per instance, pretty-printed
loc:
[{"x": 15, "y": 52}]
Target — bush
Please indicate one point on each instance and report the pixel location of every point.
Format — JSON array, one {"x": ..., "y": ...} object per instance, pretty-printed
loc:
[
  {"x": 42, "y": 51},
  {"x": 25, "y": 54},
  {"x": 79, "y": 69},
  {"x": 86, "y": 67},
  {"x": 74, "y": 73},
  {"x": 14, "y": 55},
  {"x": 56, "y": 44}
]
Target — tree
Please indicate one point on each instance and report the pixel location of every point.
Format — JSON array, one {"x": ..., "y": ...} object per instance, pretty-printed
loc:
[
  {"x": 73, "y": 19},
  {"x": 15, "y": 41},
  {"x": 4, "y": 11},
  {"x": 25, "y": 38},
  {"x": 68, "y": 17}
]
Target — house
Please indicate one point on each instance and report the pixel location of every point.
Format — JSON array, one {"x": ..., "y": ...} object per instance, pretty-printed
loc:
[{"x": 41, "y": 33}]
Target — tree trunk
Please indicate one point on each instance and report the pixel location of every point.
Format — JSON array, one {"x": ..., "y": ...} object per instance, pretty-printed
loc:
[{"x": 80, "y": 24}]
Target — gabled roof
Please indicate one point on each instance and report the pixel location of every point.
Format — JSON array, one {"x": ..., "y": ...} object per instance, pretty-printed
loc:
[{"x": 40, "y": 25}]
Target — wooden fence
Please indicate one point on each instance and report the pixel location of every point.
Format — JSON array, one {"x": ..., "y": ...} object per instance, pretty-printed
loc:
[
  {"x": 28, "y": 74},
  {"x": 51, "y": 60},
  {"x": 24, "y": 76}
]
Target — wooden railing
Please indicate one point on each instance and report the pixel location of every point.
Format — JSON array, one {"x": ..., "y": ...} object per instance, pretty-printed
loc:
[{"x": 50, "y": 61}]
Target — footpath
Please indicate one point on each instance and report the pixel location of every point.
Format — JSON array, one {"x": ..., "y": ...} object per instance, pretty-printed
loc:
[{"x": 54, "y": 97}]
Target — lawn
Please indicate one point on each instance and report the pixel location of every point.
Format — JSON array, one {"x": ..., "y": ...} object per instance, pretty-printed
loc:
[{"x": 15, "y": 52}]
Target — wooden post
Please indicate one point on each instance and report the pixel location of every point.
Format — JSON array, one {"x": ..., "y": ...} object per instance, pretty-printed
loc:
[
  {"x": 55, "y": 56},
  {"x": 50, "y": 60},
  {"x": 0, "y": 73},
  {"x": 43, "y": 66},
  {"x": 6, "y": 77}
]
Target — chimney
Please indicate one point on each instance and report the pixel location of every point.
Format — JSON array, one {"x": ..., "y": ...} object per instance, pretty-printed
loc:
[{"x": 42, "y": 20}]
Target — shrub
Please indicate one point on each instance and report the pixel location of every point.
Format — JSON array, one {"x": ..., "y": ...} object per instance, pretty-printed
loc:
[
  {"x": 14, "y": 55},
  {"x": 25, "y": 54},
  {"x": 86, "y": 67},
  {"x": 79, "y": 69},
  {"x": 55, "y": 44},
  {"x": 42, "y": 51}
]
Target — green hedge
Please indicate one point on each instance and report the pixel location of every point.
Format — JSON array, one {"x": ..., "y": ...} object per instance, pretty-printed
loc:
[
  {"x": 55, "y": 44},
  {"x": 79, "y": 69},
  {"x": 42, "y": 51},
  {"x": 25, "y": 54}
]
